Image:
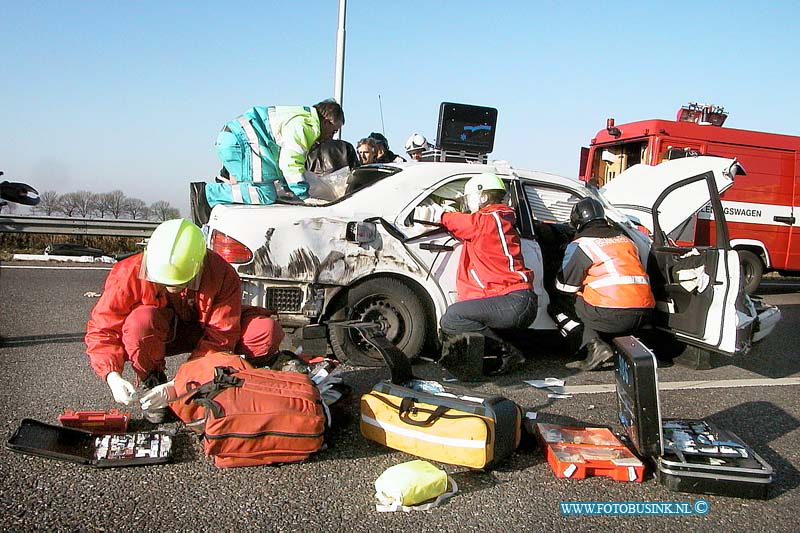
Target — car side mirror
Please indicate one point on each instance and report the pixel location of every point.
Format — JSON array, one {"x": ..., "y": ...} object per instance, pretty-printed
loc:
[{"x": 19, "y": 193}]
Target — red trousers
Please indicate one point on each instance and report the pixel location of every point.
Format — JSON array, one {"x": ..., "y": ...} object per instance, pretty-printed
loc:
[{"x": 150, "y": 334}]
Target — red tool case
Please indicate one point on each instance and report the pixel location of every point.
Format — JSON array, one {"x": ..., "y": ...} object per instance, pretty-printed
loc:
[
  {"x": 111, "y": 421},
  {"x": 577, "y": 453}
]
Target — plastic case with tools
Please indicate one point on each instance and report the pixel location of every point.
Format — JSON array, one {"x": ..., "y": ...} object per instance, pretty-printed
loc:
[
  {"x": 688, "y": 455},
  {"x": 577, "y": 453},
  {"x": 105, "y": 451}
]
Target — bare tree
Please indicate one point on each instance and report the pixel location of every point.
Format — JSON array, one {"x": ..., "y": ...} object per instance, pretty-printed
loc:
[
  {"x": 162, "y": 210},
  {"x": 112, "y": 203},
  {"x": 136, "y": 208},
  {"x": 79, "y": 203},
  {"x": 70, "y": 203},
  {"x": 49, "y": 203}
]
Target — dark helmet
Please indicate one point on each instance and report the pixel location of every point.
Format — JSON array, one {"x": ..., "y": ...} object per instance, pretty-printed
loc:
[{"x": 585, "y": 211}]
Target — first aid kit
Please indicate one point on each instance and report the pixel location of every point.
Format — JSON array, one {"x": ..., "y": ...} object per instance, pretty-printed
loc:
[
  {"x": 412, "y": 486},
  {"x": 577, "y": 453},
  {"x": 103, "y": 451},
  {"x": 689, "y": 455},
  {"x": 449, "y": 424},
  {"x": 258, "y": 416}
]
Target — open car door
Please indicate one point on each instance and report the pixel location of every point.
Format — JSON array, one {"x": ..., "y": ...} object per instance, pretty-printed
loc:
[{"x": 696, "y": 289}]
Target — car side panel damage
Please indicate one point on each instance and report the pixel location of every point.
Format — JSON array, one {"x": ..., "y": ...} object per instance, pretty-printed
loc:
[{"x": 315, "y": 250}]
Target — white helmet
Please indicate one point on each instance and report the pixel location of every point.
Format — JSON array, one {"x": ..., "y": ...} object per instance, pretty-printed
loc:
[{"x": 417, "y": 141}]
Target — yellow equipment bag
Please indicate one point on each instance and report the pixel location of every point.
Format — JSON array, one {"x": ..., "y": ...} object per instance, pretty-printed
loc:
[{"x": 467, "y": 429}]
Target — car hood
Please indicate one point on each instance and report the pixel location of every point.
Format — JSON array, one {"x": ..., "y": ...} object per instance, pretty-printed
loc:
[{"x": 635, "y": 191}]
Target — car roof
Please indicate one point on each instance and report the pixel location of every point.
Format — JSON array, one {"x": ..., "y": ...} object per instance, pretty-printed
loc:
[{"x": 394, "y": 191}]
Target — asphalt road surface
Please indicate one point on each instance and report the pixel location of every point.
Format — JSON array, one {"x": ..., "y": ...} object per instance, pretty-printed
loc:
[{"x": 44, "y": 371}]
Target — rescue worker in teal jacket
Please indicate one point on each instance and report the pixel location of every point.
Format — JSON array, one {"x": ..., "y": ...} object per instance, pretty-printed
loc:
[{"x": 264, "y": 150}]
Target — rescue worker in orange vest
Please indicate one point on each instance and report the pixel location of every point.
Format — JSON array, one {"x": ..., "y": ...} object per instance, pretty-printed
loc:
[
  {"x": 602, "y": 267},
  {"x": 174, "y": 298}
]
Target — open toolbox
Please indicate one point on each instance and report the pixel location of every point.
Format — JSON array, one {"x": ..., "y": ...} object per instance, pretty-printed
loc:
[
  {"x": 105, "y": 451},
  {"x": 577, "y": 453},
  {"x": 688, "y": 455}
]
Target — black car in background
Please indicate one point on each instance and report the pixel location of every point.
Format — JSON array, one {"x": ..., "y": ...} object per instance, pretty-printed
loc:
[{"x": 71, "y": 249}]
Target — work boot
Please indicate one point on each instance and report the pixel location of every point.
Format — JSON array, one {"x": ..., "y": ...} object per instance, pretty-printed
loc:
[
  {"x": 462, "y": 356},
  {"x": 153, "y": 379},
  {"x": 509, "y": 359},
  {"x": 597, "y": 353}
]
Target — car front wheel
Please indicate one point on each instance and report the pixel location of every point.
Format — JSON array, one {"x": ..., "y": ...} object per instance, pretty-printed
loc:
[{"x": 394, "y": 306}]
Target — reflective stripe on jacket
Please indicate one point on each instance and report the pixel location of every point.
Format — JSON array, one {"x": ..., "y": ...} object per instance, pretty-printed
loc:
[
  {"x": 491, "y": 261},
  {"x": 217, "y": 300},
  {"x": 606, "y": 272},
  {"x": 260, "y": 147}
]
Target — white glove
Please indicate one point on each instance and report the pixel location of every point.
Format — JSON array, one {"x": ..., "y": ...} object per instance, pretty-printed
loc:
[
  {"x": 159, "y": 396},
  {"x": 430, "y": 213},
  {"x": 121, "y": 389}
]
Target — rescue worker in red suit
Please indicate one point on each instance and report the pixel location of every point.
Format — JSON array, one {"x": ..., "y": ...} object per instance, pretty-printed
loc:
[
  {"x": 495, "y": 289},
  {"x": 176, "y": 297},
  {"x": 602, "y": 267}
]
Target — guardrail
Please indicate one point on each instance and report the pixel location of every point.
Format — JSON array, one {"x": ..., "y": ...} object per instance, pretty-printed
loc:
[{"x": 77, "y": 226}]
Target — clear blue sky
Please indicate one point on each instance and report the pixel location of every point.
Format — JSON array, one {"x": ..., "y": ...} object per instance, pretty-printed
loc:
[{"x": 130, "y": 95}]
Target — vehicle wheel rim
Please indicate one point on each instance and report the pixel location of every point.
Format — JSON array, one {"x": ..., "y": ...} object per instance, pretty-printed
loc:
[{"x": 384, "y": 313}]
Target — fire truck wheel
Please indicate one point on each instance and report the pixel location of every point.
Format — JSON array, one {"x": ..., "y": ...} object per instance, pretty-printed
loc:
[{"x": 752, "y": 270}]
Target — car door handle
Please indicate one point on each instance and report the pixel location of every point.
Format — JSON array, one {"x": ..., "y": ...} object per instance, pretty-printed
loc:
[
  {"x": 785, "y": 220},
  {"x": 432, "y": 247}
]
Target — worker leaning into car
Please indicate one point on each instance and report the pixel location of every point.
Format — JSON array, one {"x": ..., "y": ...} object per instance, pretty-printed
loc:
[
  {"x": 176, "y": 297},
  {"x": 602, "y": 267},
  {"x": 495, "y": 290},
  {"x": 265, "y": 149}
]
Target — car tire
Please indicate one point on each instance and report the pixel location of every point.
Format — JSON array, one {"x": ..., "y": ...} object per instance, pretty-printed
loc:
[
  {"x": 752, "y": 270},
  {"x": 392, "y": 304}
]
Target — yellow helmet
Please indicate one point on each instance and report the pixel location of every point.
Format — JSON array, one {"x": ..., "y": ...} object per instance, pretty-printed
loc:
[
  {"x": 484, "y": 182},
  {"x": 175, "y": 252},
  {"x": 477, "y": 185}
]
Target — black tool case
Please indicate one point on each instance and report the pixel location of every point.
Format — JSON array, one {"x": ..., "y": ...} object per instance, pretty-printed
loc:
[
  {"x": 102, "y": 451},
  {"x": 688, "y": 455}
]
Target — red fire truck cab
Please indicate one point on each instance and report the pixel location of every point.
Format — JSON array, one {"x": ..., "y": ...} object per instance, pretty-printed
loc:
[{"x": 761, "y": 206}]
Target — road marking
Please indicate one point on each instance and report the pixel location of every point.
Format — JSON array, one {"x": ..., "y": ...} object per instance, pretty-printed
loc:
[
  {"x": 55, "y": 267},
  {"x": 686, "y": 385}
]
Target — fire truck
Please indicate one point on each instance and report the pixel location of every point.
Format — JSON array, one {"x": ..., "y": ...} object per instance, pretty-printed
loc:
[{"x": 759, "y": 207}]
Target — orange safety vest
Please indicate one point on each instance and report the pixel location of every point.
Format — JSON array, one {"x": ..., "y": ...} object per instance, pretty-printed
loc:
[{"x": 616, "y": 278}]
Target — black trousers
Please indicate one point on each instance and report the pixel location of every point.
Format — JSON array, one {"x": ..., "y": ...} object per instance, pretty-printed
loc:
[{"x": 611, "y": 322}]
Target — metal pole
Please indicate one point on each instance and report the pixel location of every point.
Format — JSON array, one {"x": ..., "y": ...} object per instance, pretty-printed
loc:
[{"x": 338, "y": 88}]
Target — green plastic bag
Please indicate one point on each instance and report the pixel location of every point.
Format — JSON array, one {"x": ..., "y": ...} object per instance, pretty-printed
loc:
[{"x": 405, "y": 486}]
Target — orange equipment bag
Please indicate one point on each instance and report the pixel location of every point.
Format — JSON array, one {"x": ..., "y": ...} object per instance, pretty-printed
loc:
[
  {"x": 259, "y": 416},
  {"x": 194, "y": 373}
]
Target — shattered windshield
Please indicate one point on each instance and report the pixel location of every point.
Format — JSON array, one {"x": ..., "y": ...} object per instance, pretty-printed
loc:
[{"x": 367, "y": 175}]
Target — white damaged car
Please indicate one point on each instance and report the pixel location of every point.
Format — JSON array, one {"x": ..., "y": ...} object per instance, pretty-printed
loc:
[{"x": 362, "y": 257}]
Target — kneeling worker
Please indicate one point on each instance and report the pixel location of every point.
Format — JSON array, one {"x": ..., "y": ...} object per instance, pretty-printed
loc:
[
  {"x": 495, "y": 289},
  {"x": 602, "y": 266},
  {"x": 174, "y": 298}
]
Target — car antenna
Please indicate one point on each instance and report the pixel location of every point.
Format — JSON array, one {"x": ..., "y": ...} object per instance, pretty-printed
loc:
[{"x": 380, "y": 106}]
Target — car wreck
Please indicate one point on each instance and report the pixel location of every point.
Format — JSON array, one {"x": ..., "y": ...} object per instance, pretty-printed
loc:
[{"x": 363, "y": 257}]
